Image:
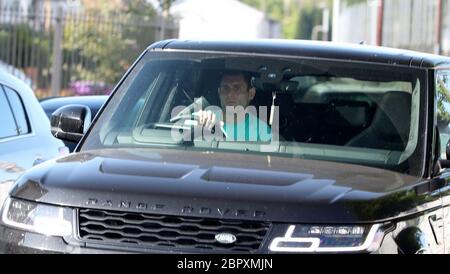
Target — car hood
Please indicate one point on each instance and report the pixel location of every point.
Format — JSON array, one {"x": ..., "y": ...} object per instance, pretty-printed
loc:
[{"x": 221, "y": 184}]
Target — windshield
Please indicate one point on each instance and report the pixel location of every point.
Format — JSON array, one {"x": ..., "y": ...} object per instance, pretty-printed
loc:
[{"x": 290, "y": 107}]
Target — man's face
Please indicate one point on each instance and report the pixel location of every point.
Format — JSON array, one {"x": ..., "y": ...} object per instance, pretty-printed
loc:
[{"x": 233, "y": 91}]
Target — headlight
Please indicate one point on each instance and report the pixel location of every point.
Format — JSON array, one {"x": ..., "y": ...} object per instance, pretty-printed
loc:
[
  {"x": 312, "y": 238},
  {"x": 44, "y": 219}
]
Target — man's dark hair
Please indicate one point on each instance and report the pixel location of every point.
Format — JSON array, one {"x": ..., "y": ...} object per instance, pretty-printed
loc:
[{"x": 247, "y": 76}]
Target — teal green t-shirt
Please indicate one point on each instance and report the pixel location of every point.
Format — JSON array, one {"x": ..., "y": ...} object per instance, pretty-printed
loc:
[{"x": 252, "y": 129}]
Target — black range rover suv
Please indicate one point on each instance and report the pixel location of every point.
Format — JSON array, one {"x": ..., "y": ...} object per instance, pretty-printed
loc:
[{"x": 347, "y": 155}]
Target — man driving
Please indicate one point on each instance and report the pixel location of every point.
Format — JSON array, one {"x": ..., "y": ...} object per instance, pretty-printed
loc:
[{"x": 237, "y": 118}]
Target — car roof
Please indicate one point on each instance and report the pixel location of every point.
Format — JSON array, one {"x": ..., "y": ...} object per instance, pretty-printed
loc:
[
  {"x": 7, "y": 79},
  {"x": 311, "y": 49}
]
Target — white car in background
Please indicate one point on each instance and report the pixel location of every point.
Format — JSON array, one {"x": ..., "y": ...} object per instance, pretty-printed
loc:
[
  {"x": 18, "y": 73},
  {"x": 25, "y": 137}
]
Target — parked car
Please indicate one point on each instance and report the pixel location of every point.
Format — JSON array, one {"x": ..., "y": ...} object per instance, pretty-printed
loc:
[
  {"x": 351, "y": 163},
  {"x": 53, "y": 103},
  {"x": 25, "y": 137}
]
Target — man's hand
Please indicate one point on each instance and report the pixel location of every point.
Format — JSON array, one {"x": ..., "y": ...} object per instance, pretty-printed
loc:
[
  {"x": 206, "y": 119},
  {"x": 209, "y": 120}
]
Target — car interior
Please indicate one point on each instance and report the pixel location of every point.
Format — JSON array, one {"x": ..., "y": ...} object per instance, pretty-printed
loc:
[
  {"x": 322, "y": 111},
  {"x": 334, "y": 117}
]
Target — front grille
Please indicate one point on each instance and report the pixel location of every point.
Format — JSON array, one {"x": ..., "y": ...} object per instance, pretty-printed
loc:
[{"x": 151, "y": 230}]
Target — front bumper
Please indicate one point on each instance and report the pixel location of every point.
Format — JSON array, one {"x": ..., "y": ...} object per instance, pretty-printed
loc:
[
  {"x": 14, "y": 241},
  {"x": 18, "y": 242}
]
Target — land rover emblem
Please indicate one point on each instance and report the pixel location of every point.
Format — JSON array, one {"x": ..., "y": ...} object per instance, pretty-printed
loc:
[{"x": 225, "y": 238}]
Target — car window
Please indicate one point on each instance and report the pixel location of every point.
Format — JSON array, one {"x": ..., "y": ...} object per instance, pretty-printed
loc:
[
  {"x": 18, "y": 111},
  {"x": 323, "y": 110},
  {"x": 8, "y": 127},
  {"x": 443, "y": 108}
]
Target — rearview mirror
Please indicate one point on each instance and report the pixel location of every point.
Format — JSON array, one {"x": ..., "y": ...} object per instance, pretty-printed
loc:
[{"x": 70, "y": 122}]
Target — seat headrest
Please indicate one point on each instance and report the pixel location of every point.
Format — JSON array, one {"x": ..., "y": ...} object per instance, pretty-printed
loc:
[
  {"x": 348, "y": 113},
  {"x": 393, "y": 115}
]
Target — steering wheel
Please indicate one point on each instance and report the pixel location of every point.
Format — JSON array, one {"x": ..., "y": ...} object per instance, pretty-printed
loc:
[{"x": 190, "y": 115}]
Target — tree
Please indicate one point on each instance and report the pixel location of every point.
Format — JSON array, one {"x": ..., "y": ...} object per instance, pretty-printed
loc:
[
  {"x": 309, "y": 16},
  {"x": 297, "y": 17},
  {"x": 107, "y": 39},
  {"x": 284, "y": 11},
  {"x": 165, "y": 5},
  {"x": 443, "y": 101},
  {"x": 31, "y": 52}
]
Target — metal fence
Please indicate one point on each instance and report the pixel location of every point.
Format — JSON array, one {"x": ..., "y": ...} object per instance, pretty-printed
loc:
[
  {"x": 422, "y": 25},
  {"x": 73, "y": 52},
  {"x": 411, "y": 24},
  {"x": 357, "y": 23}
]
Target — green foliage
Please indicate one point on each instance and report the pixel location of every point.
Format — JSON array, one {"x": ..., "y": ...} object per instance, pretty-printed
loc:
[
  {"x": 297, "y": 17},
  {"x": 309, "y": 17},
  {"x": 353, "y": 2},
  {"x": 21, "y": 42},
  {"x": 164, "y": 4},
  {"x": 291, "y": 21},
  {"x": 26, "y": 48},
  {"x": 99, "y": 50},
  {"x": 138, "y": 8},
  {"x": 274, "y": 8},
  {"x": 443, "y": 101},
  {"x": 282, "y": 11},
  {"x": 98, "y": 44},
  {"x": 110, "y": 42}
]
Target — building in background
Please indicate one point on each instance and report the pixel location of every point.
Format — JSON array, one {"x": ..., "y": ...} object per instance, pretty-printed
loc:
[
  {"x": 422, "y": 25},
  {"x": 222, "y": 19}
]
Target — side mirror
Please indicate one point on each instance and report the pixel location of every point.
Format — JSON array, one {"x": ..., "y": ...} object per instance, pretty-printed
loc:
[
  {"x": 446, "y": 163},
  {"x": 447, "y": 150},
  {"x": 70, "y": 122},
  {"x": 438, "y": 162}
]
